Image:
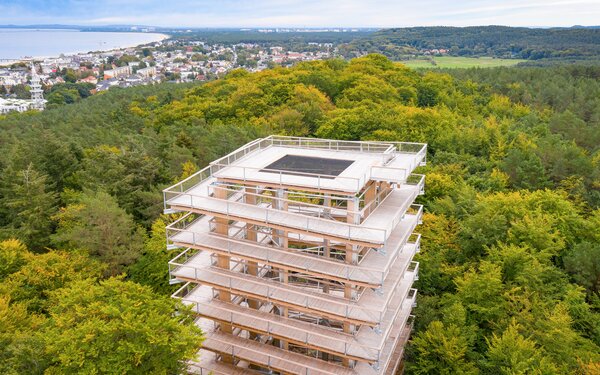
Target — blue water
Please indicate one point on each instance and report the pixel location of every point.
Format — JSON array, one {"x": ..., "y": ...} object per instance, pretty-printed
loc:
[{"x": 19, "y": 43}]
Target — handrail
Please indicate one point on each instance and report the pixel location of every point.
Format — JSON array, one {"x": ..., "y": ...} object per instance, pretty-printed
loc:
[
  {"x": 302, "y": 222},
  {"x": 351, "y": 272},
  {"x": 293, "y": 295},
  {"x": 184, "y": 292},
  {"x": 357, "y": 181},
  {"x": 262, "y": 143},
  {"x": 310, "y": 298}
]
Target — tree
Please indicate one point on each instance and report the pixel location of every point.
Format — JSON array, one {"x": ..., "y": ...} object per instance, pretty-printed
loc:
[
  {"x": 583, "y": 263},
  {"x": 21, "y": 352},
  {"x": 480, "y": 291},
  {"x": 70, "y": 76},
  {"x": 97, "y": 224},
  {"x": 117, "y": 327},
  {"x": 20, "y": 91},
  {"x": 43, "y": 273},
  {"x": 13, "y": 255},
  {"x": 441, "y": 349},
  {"x": 513, "y": 354},
  {"x": 31, "y": 203},
  {"x": 152, "y": 269},
  {"x": 525, "y": 169}
]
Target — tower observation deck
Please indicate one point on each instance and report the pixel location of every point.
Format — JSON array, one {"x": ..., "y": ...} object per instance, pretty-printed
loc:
[
  {"x": 297, "y": 255},
  {"x": 37, "y": 94}
]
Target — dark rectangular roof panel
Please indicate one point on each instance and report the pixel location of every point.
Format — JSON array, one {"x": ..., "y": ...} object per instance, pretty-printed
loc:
[{"x": 298, "y": 165}]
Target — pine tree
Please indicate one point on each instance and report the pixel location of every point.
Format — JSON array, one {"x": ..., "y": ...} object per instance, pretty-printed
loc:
[{"x": 30, "y": 203}]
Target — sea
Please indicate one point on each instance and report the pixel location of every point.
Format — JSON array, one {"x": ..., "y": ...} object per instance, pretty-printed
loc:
[{"x": 24, "y": 43}]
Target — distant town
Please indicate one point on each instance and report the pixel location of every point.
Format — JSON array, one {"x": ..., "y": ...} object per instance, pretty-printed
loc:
[{"x": 67, "y": 78}]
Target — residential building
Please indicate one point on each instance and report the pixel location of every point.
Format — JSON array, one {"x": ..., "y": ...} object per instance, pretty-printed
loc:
[
  {"x": 147, "y": 72},
  {"x": 18, "y": 105},
  {"x": 298, "y": 255},
  {"x": 121, "y": 71}
]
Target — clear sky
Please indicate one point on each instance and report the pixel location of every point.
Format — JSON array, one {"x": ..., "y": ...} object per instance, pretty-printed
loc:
[{"x": 302, "y": 13}]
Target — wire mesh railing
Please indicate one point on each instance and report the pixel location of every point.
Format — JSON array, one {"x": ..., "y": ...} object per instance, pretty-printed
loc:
[
  {"x": 298, "y": 331},
  {"x": 387, "y": 149}
]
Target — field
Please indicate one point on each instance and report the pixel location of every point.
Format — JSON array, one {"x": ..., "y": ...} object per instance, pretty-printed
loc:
[{"x": 460, "y": 62}]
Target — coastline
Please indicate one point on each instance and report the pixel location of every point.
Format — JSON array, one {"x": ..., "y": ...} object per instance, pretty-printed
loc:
[{"x": 159, "y": 38}]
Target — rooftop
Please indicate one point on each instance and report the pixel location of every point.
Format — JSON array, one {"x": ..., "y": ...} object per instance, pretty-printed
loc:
[
  {"x": 296, "y": 164},
  {"x": 339, "y": 167}
]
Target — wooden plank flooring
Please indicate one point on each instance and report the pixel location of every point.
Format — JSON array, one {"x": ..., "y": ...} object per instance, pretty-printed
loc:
[
  {"x": 281, "y": 293},
  {"x": 291, "y": 329},
  {"x": 208, "y": 365},
  {"x": 374, "y": 229},
  {"x": 272, "y": 357}
]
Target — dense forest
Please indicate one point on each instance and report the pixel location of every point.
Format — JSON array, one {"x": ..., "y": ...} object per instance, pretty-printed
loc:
[
  {"x": 494, "y": 41},
  {"x": 510, "y": 260}
]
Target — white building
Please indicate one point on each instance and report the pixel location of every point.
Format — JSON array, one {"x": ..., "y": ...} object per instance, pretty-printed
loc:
[{"x": 10, "y": 105}]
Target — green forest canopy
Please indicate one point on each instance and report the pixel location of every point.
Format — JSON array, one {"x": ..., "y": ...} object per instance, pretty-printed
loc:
[
  {"x": 493, "y": 41},
  {"x": 510, "y": 261}
]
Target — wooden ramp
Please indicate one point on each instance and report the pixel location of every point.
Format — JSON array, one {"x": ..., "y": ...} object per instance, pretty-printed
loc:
[
  {"x": 209, "y": 365},
  {"x": 271, "y": 357},
  {"x": 368, "y": 309},
  {"x": 367, "y": 345},
  {"x": 292, "y": 330},
  {"x": 283, "y": 294},
  {"x": 373, "y": 232},
  {"x": 396, "y": 169},
  {"x": 370, "y": 272}
]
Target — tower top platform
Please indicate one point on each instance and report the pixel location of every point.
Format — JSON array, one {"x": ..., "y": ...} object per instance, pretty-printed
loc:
[{"x": 311, "y": 164}]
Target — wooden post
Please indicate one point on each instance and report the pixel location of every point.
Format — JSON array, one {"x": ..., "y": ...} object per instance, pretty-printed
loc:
[
  {"x": 280, "y": 237},
  {"x": 251, "y": 235},
  {"x": 223, "y": 261},
  {"x": 284, "y": 277},
  {"x": 326, "y": 242},
  {"x": 370, "y": 195},
  {"x": 351, "y": 258}
]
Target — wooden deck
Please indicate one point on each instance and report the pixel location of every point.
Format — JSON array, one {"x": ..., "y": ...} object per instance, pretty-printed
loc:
[
  {"x": 370, "y": 272},
  {"x": 393, "y": 167},
  {"x": 270, "y": 356},
  {"x": 367, "y": 345},
  {"x": 373, "y": 232},
  {"x": 209, "y": 365}
]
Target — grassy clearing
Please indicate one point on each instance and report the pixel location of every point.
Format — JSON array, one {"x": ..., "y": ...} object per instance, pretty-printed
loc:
[{"x": 460, "y": 62}]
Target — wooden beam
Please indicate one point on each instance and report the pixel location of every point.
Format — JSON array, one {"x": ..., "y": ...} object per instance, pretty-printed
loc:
[{"x": 271, "y": 225}]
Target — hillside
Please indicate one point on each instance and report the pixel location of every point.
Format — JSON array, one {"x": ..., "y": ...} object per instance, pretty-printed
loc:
[
  {"x": 491, "y": 41},
  {"x": 509, "y": 266}
]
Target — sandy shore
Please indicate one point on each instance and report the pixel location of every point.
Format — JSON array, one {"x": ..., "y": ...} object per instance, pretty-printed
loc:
[{"x": 159, "y": 37}]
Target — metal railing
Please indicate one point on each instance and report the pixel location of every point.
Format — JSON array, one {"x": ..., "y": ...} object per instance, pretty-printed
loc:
[
  {"x": 233, "y": 210},
  {"x": 273, "y": 291},
  {"x": 272, "y": 255},
  {"x": 179, "y": 267},
  {"x": 337, "y": 343},
  {"x": 384, "y": 148}
]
